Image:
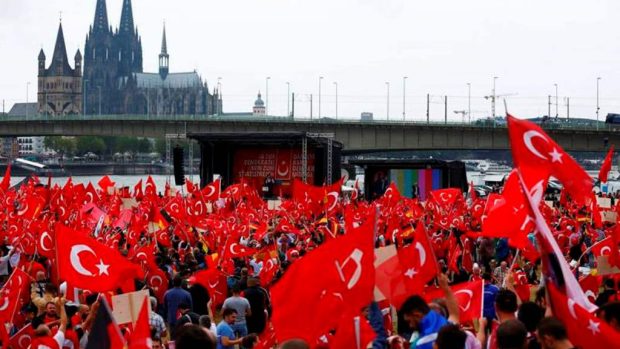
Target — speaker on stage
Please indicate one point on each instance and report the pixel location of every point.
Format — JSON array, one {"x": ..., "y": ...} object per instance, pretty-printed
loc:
[{"x": 177, "y": 161}]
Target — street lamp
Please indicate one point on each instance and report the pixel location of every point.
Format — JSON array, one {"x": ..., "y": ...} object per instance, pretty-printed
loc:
[
  {"x": 219, "y": 95},
  {"x": 27, "y": 96},
  {"x": 288, "y": 98},
  {"x": 267, "y": 95},
  {"x": 404, "y": 97},
  {"x": 336, "y": 85},
  {"x": 387, "y": 84},
  {"x": 598, "y": 107},
  {"x": 469, "y": 101},
  {"x": 556, "y": 100},
  {"x": 320, "y": 80}
]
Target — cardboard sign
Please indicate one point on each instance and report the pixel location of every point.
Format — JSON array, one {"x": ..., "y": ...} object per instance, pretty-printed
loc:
[
  {"x": 127, "y": 306},
  {"x": 609, "y": 216},
  {"x": 273, "y": 204},
  {"x": 603, "y": 266},
  {"x": 381, "y": 256},
  {"x": 604, "y": 202}
]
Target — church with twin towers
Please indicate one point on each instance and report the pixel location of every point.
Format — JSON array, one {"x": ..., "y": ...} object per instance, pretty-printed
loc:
[{"x": 115, "y": 83}]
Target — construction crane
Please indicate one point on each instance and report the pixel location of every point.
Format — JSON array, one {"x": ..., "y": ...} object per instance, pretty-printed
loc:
[{"x": 493, "y": 98}]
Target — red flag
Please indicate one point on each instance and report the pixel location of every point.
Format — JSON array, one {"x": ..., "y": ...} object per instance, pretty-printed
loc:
[
  {"x": 346, "y": 281},
  {"x": 391, "y": 196},
  {"x": 104, "y": 183},
  {"x": 603, "y": 247},
  {"x": 472, "y": 192},
  {"x": 215, "y": 283},
  {"x": 6, "y": 180},
  {"x": 353, "y": 332},
  {"x": 555, "y": 268},
  {"x": 469, "y": 296},
  {"x": 11, "y": 294},
  {"x": 137, "y": 190},
  {"x": 88, "y": 264},
  {"x": 23, "y": 338},
  {"x": 584, "y": 329},
  {"x": 537, "y": 157},
  {"x": 150, "y": 189},
  {"x": 211, "y": 192},
  {"x": 507, "y": 215},
  {"x": 141, "y": 336},
  {"x": 606, "y": 167},
  {"x": 158, "y": 281},
  {"x": 591, "y": 285}
]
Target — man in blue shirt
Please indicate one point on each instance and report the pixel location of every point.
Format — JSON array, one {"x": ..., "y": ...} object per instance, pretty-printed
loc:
[
  {"x": 225, "y": 335},
  {"x": 173, "y": 298},
  {"x": 490, "y": 292}
]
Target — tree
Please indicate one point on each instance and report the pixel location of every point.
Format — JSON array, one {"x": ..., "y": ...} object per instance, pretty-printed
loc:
[
  {"x": 160, "y": 146},
  {"x": 144, "y": 145},
  {"x": 90, "y": 144},
  {"x": 61, "y": 145}
]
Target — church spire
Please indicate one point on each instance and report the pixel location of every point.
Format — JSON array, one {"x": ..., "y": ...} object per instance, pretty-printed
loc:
[
  {"x": 164, "y": 45},
  {"x": 127, "y": 18},
  {"x": 60, "y": 62},
  {"x": 101, "y": 17},
  {"x": 164, "y": 58}
]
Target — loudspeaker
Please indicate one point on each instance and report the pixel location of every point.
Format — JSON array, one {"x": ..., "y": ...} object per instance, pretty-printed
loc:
[{"x": 177, "y": 161}]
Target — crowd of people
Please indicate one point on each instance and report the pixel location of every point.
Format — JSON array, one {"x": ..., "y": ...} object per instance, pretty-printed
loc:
[{"x": 321, "y": 270}]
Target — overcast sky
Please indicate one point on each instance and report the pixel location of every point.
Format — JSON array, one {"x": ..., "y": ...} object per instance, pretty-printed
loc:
[{"x": 441, "y": 45}]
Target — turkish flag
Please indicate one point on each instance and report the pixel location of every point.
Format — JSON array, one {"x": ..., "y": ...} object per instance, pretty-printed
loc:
[
  {"x": 336, "y": 277},
  {"x": 508, "y": 215},
  {"x": 537, "y": 156},
  {"x": 603, "y": 247},
  {"x": 215, "y": 283},
  {"x": 591, "y": 285},
  {"x": 5, "y": 184},
  {"x": 105, "y": 182},
  {"x": 584, "y": 329},
  {"x": 141, "y": 336},
  {"x": 353, "y": 332},
  {"x": 12, "y": 292},
  {"x": 45, "y": 241},
  {"x": 391, "y": 196},
  {"x": 606, "y": 167},
  {"x": 137, "y": 191},
  {"x": 157, "y": 279},
  {"x": 23, "y": 338},
  {"x": 90, "y": 195},
  {"x": 150, "y": 190},
  {"x": 469, "y": 296},
  {"x": 211, "y": 192},
  {"x": 88, "y": 264},
  {"x": 233, "y": 249}
]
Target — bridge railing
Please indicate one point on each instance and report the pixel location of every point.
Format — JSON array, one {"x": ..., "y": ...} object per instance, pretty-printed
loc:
[{"x": 478, "y": 124}]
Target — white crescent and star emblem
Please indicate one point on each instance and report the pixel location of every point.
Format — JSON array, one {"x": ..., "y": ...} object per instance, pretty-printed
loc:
[
  {"x": 333, "y": 195},
  {"x": 211, "y": 191},
  {"x": 527, "y": 139},
  {"x": 154, "y": 278},
  {"x": 281, "y": 172},
  {"x": 5, "y": 303},
  {"x": 23, "y": 338},
  {"x": 42, "y": 241},
  {"x": 571, "y": 308},
  {"x": 76, "y": 262},
  {"x": 469, "y": 293},
  {"x": 421, "y": 252},
  {"x": 605, "y": 249}
]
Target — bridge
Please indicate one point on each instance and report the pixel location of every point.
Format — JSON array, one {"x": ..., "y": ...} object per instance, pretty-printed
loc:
[{"x": 355, "y": 135}]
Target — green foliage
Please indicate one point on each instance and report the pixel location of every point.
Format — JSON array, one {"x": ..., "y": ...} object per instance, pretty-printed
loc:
[
  {"x": 90, "y": 144},
  {"x": 61, "y": 145}
]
